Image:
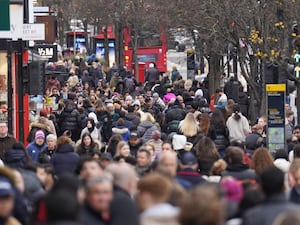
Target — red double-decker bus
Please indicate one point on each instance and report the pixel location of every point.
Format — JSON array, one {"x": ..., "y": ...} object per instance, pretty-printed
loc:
[{"x": 152, "y": 48}]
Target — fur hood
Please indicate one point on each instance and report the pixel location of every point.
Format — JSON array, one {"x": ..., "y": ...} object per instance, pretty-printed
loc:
[{"x": 120, "y": 130}]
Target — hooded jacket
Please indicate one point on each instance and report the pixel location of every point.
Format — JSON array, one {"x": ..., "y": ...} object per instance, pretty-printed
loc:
[
  {"x": 122, "y": 130},
  {"x": 145, "y": 130},
  {"x": 64, "y": 160}
]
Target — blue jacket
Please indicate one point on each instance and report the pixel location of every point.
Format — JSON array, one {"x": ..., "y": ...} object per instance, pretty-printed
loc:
[{"x": 34, "y": 150}]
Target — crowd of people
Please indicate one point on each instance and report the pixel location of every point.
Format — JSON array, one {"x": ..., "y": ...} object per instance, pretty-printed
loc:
[{"x": 119, "y": 152}]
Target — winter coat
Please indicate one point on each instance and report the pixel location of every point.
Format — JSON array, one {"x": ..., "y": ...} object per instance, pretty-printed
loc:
[
  {"x": 253, "y": 141},
  {"x": 175, "y": 113},
  {"x": 96, "y": 135},
  {"x": 152, "y": 75},
  {"x": 34, "y": 150},
  {"x": 163, "y": 214},
  {"x": 267, "y": 212},
  {"x": 6, "y": 143},
  {"x": 35, "y": 126},
  {"x": 122, "y": 130},
  {"x": 191, "y": 176},
  {"x": 145, "y": 130},
  {"x": 64, "y": 160},
  {"x": 33, "y": 186},
  {"x": 243, "y": 102},
  {"x": 91, "y": 217},
  {"x": 15, "y": 158},
  {"x": 87, "y": 151},
  {"x": 239, "y": 171},
  {"x": 135, "y": 119},
  {"x": 70, "y": 119},
  {"x": 45, "y": 156},
  {"x": 220, "y": 137},
  {"x": 122, "y": 206},
  {"x": 238, "y": 129}
]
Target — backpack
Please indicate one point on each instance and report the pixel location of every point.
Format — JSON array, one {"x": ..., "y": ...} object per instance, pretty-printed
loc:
[{"x": 129, "y": 84}]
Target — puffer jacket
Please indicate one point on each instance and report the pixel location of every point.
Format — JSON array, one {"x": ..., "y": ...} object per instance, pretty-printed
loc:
[
  {"x": 135, "y": 119},
  {"x": 145, "y": 130},
  {"x": 64, "y": 160},
  {"x": 175, "y": 113},
  {"x": 70, "y": 119},
  {"x": 15, "y": 158}
]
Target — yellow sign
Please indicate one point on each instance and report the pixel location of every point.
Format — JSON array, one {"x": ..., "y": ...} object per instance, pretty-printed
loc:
[{"x": 275, "y": 87}]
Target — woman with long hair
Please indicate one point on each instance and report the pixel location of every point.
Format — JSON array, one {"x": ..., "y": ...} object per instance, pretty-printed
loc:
[
  {"x": 261, "y": 159},
  {"x": 113, "y": 143},
  {"x": 123, "y": 149},
  {"x": 204, "y": 124},
  {"x": 189, "y": 127},
  {"x": 219, "y": 130},
  {"x": 207, "y": 154},
  {"x": 87, "y": 146},
  {"x": 238, "y": 126}
]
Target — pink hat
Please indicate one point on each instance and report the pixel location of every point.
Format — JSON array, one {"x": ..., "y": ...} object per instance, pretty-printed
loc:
[
  {"x": 39, "y": 134},
  {"x": 233, "y": 189}
]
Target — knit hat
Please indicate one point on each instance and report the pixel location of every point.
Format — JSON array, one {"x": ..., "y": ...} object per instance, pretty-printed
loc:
[
  {"x": 233, "y": 189},
  {"x": 6, "y": 188},
  {"x": 39, "y": 134}
]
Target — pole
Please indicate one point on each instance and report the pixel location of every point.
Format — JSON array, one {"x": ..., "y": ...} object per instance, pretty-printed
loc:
[
  {"x": 236, "y": 82},
  {"x": 9, "y": 88},
  {"x": 20, "y": 91}
]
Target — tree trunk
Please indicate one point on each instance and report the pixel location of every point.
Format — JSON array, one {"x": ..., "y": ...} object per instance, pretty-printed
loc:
[
  {"x": 134, "y": 56},
  {"x": 214, "y": 70},
  {"x": 106, "y": 47},
  {"x": 86, "y": 38}
]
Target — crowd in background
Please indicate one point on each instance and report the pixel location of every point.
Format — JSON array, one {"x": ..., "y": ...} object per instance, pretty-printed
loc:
[{"x": 117, "y": 151}]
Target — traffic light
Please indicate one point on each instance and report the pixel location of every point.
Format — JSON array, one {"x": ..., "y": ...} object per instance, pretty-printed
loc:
[{"x": 36, "y": 78}]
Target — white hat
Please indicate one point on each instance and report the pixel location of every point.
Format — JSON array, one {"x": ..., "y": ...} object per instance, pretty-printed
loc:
[
  {"x": 178, "y": 141},
  {"x": 199, "y": 93}
]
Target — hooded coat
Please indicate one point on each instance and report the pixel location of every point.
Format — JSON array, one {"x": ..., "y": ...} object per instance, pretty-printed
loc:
[{"x": 64, "y": 160}]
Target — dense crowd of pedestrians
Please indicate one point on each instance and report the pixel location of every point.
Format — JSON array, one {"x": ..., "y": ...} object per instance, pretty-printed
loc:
[{"x": 117, "y": 152}]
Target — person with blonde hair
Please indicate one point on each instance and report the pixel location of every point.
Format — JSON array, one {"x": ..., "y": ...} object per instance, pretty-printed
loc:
[
  {"x": 189, "y": 127},
  {"x": 146, "y": 127},
  {"x": 123, "y": 149}
]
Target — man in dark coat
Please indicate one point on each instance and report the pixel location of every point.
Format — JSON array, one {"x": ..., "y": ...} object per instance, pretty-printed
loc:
[
  {"x": 272, "y": 182},
  {"x": 6, "y": 140},
  {"x": 70, "y": 119},
  {"x": 188, "y": 171},
  {"x": 236, "y": 168},
  {"x": 152, "y": 75},
  {"x": 96, "y": 206},
  {"x": 123, "y": 209}
]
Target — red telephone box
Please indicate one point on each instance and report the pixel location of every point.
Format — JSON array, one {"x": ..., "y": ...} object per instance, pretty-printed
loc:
[{"x": 142, "y": 68}]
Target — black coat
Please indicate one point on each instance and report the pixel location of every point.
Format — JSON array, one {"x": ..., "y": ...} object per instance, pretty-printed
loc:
[
  {"x": 122, "y": 208},
  {"x": 175, "y": 113},
  {"x": 253, "y": 141},
  {"x": 267, "y": 212},
  {"x": 239, "y": 171},
  {"x": 15, "y": 158},
  {"x": 70, "y": 119},
  {"x": 64, "y": 160},
  {"x": 243, "y": 102},
  {"x": 134, "y": 119},
  {"x": 91, "y": 217},
  {"x": 45, "y": 156}
]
